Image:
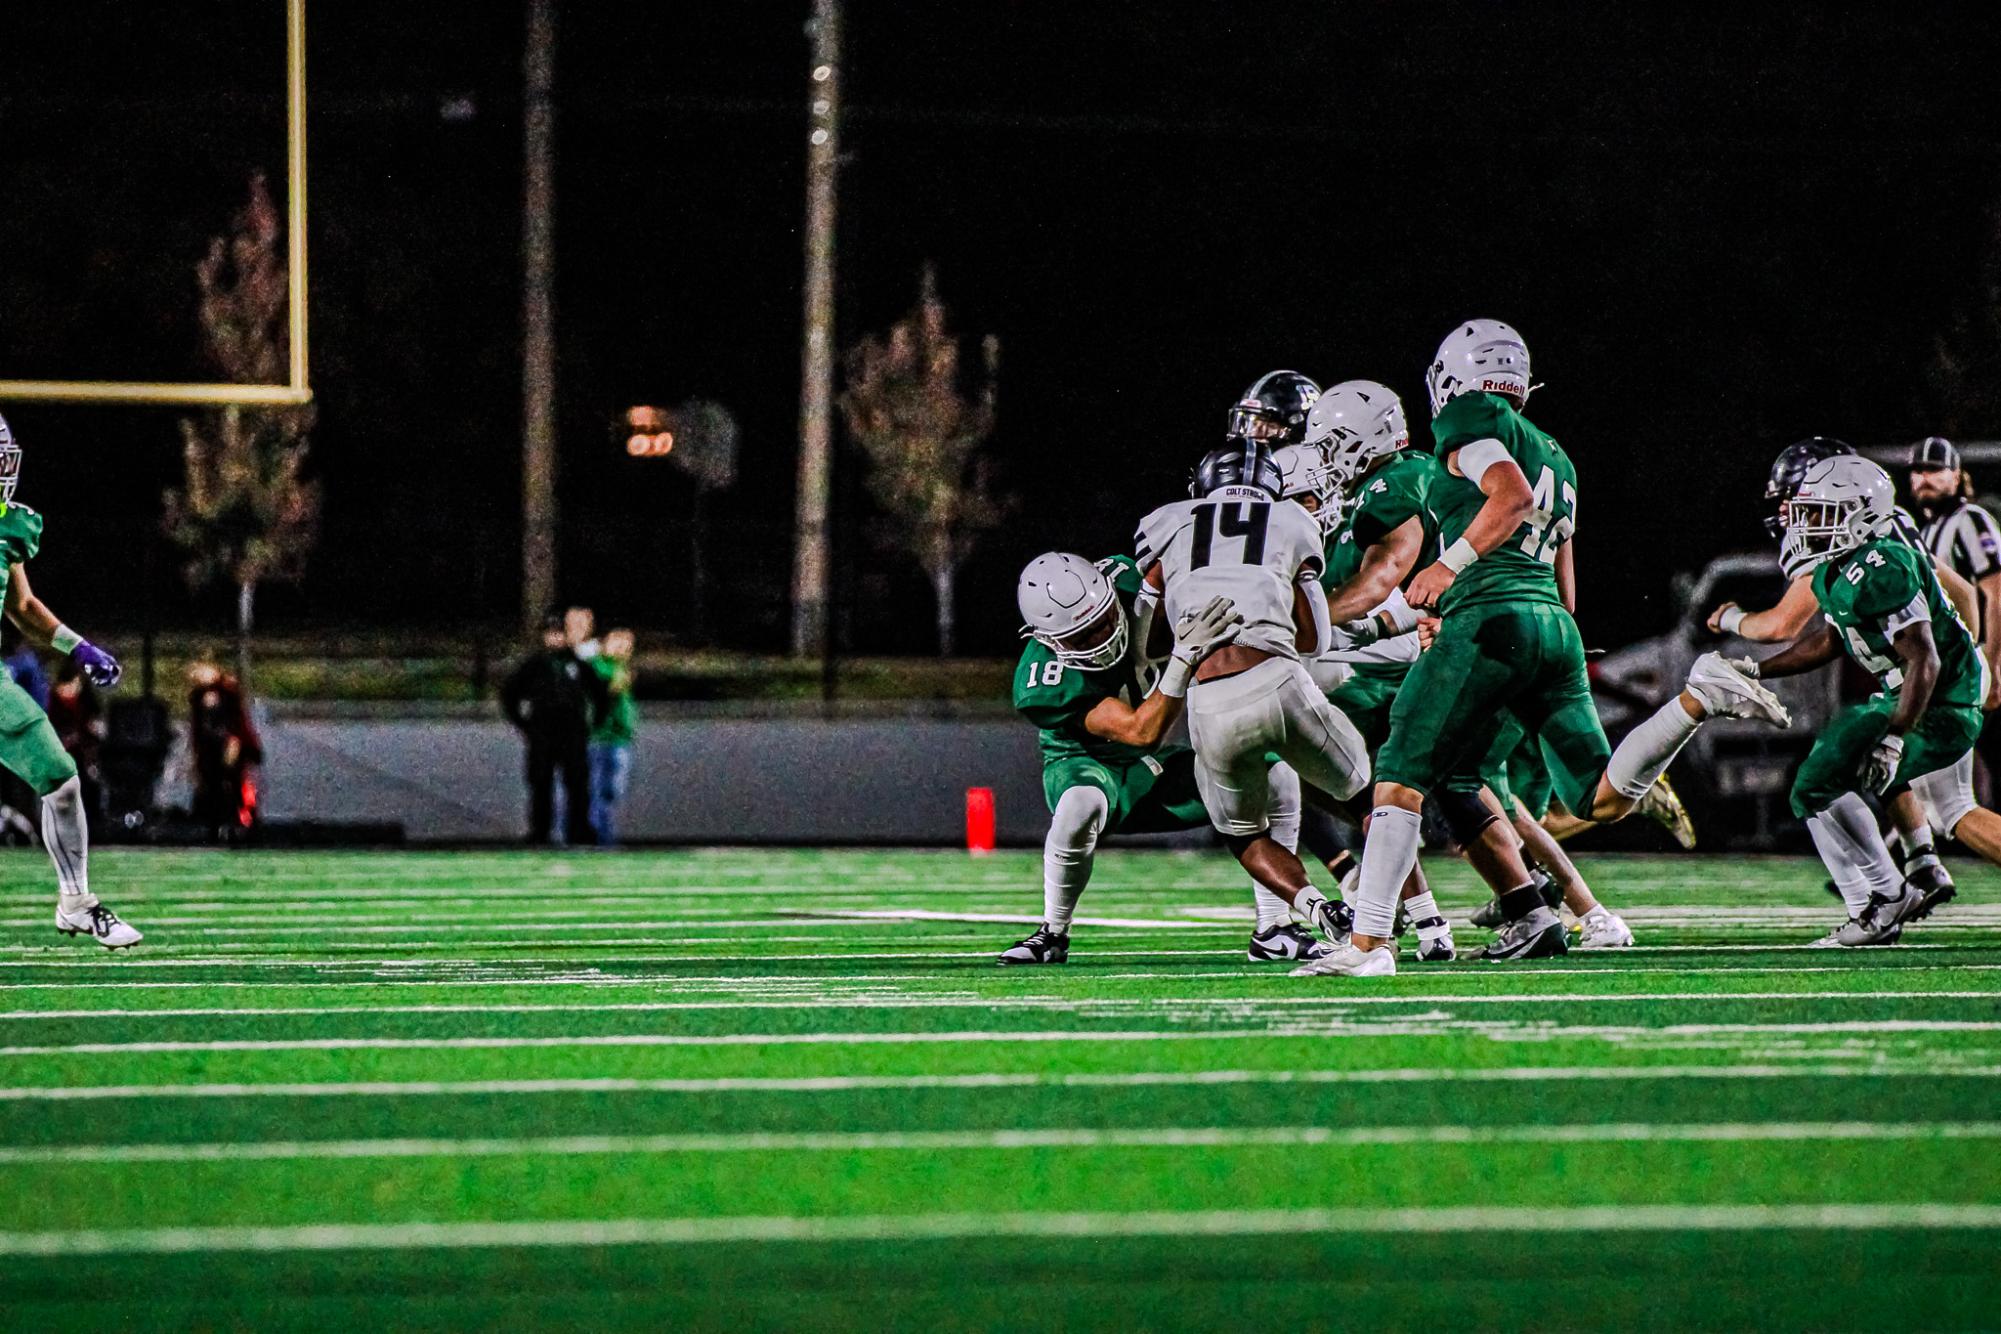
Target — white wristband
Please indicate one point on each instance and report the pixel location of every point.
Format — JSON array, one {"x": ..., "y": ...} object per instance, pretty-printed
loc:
[
  {"x": 1174, "y": 677},
  {"x": 1732, "y": 620},
  {"x": 1458, "y": 556},
  {"x": 65, "y": 640}
]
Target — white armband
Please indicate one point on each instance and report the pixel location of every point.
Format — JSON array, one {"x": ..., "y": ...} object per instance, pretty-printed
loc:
[
  {"x": 1397, "y": 615},
  {"x": 65, "y": 640},
  {"x": 1476, "y": 458},
  {"x": 1732, "y": 620},
  {"x": 1458, "y": 556}
]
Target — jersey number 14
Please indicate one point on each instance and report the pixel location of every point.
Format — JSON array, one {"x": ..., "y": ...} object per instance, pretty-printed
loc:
[
  {"x": 1549, "y": 529},
  {"x": 1248, "y": 519}
]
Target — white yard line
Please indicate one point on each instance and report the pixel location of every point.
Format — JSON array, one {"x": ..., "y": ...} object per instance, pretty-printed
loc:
[
  {"x": 1519, "y": 1074},
  {"x": 940, "y": 1226},
  {"x": 1420, "y": 1025},
  {"x": 491, "y": 974},
  {"x": 939, "y": 1141},
  {"x": 879, "y": 1001}
]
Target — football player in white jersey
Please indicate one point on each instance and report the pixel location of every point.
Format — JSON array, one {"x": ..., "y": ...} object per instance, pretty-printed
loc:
[{"x": 1237, "y": 538}]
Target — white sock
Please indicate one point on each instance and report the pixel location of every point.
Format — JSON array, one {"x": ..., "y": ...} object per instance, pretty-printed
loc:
[
  {"x": 1866, "y": 848},
  {"x": 1918, "y": 846},
  {"x": 1852, "y": 847},
  {"x": 1308, "y": 903},
  {"x": 1646, "y": 751},
  {"x": 1834, "y": 855},
  {"x": 1066, "y": 854},
  {"x": 1388, "y": 854},
  {"x": 66, "y": 834},
  {"x": 1421, "y": 908},
  {"x": 1273, "y": 910}
]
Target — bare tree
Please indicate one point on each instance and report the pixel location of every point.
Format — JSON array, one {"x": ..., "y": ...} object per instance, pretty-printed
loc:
[
  {"x": 922, "y": 429},
  {"x": 705, "y": 447},
  {"x": 1964, "y": 377},
  {"x": 244, "y": 511}
]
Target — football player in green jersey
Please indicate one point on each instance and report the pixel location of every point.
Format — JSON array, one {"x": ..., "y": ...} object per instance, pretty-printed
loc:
[
  {"x": 1505, "y": 500},
  {"x": 28, "y": 744},
  {"x": 1388, "y": 529},
  {"x": 1882, "y": 604},
  {"x": 1085, "y": 682},
  {"x": 1784, "y": 622}
]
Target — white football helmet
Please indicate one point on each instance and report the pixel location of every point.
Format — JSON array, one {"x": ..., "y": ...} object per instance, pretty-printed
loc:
[
  {"x": 1480, "y": 356},
  {"x": 1073, "y": 610},
  {"x": 1841, "y": 503},
  {"x": 1303, "y": 476},
  {"x": 1357, "y": 422},
  {"x": 10, "y": 465}
]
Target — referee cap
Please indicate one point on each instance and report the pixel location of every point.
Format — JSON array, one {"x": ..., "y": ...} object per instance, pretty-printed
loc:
[{"x": 1934, "y": 453}]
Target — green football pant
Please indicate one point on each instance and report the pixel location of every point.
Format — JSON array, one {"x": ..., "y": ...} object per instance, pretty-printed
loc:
[
  {"x": 28, "y": 744},
  {"x": 1487, "y": 664},
  {"x": 1941, "y": 738},
  {"x": 1514, "y": 769},
  {"x": 1367, "y": 697},
  {"x": 1155, "y": 794}
]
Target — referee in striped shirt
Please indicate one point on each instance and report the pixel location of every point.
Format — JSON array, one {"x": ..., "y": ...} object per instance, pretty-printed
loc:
[{"x": 1963, "y": 537}]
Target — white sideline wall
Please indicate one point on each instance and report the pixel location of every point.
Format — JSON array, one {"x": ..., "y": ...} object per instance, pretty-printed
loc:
[{"x": 699, "y": 780}]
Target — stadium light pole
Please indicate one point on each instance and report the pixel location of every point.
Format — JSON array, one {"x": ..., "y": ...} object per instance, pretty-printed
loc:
[
  {"x": 538, "y": 332},
  {"x": 811, "y": 568}
]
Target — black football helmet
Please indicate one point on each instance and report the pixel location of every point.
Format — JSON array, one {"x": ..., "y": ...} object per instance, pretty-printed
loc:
[
  {"x": 1274, "y": 409},
  {"x": 1238, "y": 463},
  {"x": 1789, "y": 470}
]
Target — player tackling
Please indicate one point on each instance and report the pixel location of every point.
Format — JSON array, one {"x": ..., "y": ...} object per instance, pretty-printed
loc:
[
  {"x": 1505, "y": 501},
  {"x": 28, "y": 744}
]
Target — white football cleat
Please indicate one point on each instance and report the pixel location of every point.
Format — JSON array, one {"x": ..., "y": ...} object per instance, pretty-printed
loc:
[
  {"x": 1603, "y": 929},
  {"x": 1727, "y": 691},
  {"x": 1351, "y": 962},
  {"x": 1880, "y": 923},
  {"x": 100, "y": 924}
]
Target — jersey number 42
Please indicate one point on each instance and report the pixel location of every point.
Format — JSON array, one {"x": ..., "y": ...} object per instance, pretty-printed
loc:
[{"x": 1548, "y": 528}]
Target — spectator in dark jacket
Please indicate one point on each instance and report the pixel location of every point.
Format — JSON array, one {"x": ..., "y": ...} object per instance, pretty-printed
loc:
[{"x": 555, "y": 699}]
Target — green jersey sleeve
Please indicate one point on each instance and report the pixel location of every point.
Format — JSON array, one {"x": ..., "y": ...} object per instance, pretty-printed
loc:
[
  {"x": 1393, "y": 496},
  {"x": 20, "y": 534},
  {"x": 1465, "y": 419},
  {"x": 1881, "y": 582}
]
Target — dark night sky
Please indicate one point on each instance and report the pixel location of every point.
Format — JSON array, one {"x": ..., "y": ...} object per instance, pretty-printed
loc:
[{"x": 1718, "y": 229}]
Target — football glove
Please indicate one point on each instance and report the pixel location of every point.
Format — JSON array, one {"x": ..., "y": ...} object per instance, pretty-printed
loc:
[
  {"x": 102, "y": 669},
  {"x": 1879, "y": 768}
]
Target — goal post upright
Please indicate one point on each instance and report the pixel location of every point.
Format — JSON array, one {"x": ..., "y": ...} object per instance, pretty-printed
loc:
[{"x": 299, "y": 387}]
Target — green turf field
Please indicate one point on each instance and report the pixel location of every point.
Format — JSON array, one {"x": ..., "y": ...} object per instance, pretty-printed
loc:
[{"x": 786, "y": 1090}]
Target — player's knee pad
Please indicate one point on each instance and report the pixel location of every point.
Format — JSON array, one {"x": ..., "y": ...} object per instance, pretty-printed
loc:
[
  {"x": 1079, "y": 818},
  {"x": 1464, "y": 813}
]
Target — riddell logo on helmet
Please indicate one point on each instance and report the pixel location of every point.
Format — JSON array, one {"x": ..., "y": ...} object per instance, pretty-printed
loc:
[{"x": 1500, "y": 386}]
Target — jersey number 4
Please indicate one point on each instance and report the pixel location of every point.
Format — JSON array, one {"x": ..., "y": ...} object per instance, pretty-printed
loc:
[
  {"x": 1247, "y": 519},
  {"x": 1549, "y": 529}
]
